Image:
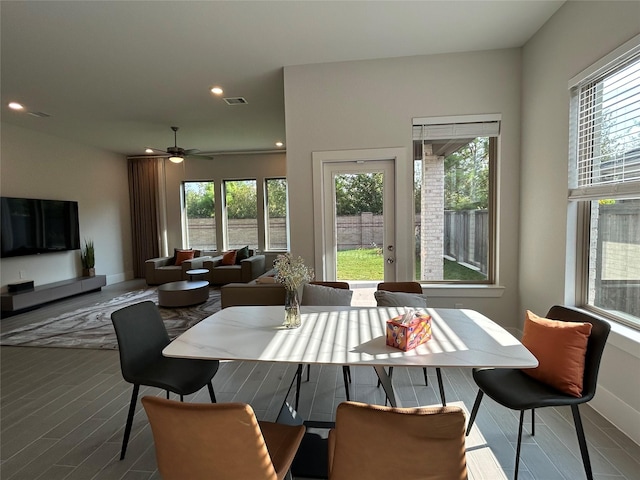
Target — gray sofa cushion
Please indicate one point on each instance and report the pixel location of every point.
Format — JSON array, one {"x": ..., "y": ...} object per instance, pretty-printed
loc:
[
  {"x": 399, "y": 299},
  {"x": 321, "y": 295}
]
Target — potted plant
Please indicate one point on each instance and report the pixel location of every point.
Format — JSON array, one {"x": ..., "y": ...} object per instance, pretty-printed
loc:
[{"x": 88, "y": 258}]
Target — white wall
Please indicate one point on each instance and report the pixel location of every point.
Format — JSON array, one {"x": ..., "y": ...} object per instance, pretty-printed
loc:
[
  {"x": 370, "y": 104},
  {"x": 578, "y": 35},
  {"x": 35, "y": 165}
]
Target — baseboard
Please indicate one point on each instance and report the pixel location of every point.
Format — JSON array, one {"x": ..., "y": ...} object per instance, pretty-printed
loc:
[
  {"x": 119, "y": 277},
  {"x": 621, "y": 414}
]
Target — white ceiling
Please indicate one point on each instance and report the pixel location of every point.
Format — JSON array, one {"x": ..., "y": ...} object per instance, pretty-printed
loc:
[{"x": 118, "y": 74}]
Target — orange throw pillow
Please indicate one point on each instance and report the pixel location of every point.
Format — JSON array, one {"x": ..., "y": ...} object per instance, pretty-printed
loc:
[
  {"x": 182, "y": 255},
  {"x": 560, "y": 349},
  {"x": 229, "y": 258}
]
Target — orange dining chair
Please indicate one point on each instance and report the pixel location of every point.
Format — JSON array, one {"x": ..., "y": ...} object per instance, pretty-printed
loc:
[
  {"x": 381, "y": 443},
  {"x": 225, "y": 441}
]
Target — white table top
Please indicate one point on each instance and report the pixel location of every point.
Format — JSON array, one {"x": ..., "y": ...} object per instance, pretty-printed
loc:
[{"x": 349, "y": 336}]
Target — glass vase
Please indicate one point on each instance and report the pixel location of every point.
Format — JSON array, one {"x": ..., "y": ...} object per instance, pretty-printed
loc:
[{"x": 291, "y": 309}]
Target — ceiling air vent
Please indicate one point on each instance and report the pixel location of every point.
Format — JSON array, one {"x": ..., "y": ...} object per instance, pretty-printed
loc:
[
  {"x": 235, "y": 101},
  {"x": 39, "y": 114}
]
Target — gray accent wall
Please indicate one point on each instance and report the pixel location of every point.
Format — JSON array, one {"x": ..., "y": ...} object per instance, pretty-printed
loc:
[
  {"x": 370, "y": 104},
  {"x": 35, "y": 165},
  {"x": 577, "y": 36}
]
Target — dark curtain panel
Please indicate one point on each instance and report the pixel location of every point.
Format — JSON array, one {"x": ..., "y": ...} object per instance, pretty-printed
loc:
[{"x": 143, "y": 194}]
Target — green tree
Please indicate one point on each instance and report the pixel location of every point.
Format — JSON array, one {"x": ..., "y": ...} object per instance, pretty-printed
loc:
[
  {"x": 277, "y": 197},
  {"x": 200, "y": 199},
  {"x": 467, "y": 176},
  {"x": 361, "y": 192},
  {"x": 241, "y": 199}
]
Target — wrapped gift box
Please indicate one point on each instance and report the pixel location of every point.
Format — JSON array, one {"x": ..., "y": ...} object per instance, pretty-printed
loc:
[{"x": 407, "y": 336}]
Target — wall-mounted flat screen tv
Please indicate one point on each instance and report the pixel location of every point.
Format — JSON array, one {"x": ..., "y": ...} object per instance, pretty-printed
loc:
[{"x": 31, "y": 226}]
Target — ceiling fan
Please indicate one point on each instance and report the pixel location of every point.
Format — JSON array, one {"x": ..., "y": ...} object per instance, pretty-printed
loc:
[{"x": 177, "y": 154}]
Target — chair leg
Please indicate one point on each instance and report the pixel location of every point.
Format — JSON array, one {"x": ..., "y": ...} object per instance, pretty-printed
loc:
[
  {"x": 441, "y": 387},
  {"x": 308, "y": 371},
  {"x": 127, "y": 428},
  {"x": 346, "y": 374},
  {"x": 167, "y": 394},
  {"x": 474, "y": 410},
  {"x": 298, "y": 382},
  {"x": 426, "y": 380},
  {"x": 515, "y": 476},
  {"x": 390, "y": 376},
  {"x": 349, "y": 373},
  {"x": 582, "y": 441},
  {"x": 533, "y": 422},
  {"x": 212, "y": 394}
]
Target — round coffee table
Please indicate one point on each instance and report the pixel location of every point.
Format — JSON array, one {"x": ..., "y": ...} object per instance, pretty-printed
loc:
[
  {"x": 196, "y": 271},
  {"x": 183, "y": 293}
]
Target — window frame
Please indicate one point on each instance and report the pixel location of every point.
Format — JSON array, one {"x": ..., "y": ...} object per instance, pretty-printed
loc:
[
  {"x": 580, "y": 197},
  {"x": 185, "y": 216},
  {"x": 266, "y": 239},
  {"x": 477, "y": 126},
  {"x": 225, "y": 213}
]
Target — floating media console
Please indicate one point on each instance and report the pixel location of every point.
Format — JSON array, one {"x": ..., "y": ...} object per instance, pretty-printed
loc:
[{"x": 23, "y": 299}]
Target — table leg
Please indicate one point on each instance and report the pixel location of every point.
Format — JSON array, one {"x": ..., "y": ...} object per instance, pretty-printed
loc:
[{"x": 385, "y": 381}]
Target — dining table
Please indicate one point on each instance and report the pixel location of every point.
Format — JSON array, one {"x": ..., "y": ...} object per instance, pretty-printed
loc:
[{"x": 355, "y": 336}]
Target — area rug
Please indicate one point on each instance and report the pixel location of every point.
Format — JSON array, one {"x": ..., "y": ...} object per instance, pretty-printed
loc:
[{"x": 91, "y": 327}]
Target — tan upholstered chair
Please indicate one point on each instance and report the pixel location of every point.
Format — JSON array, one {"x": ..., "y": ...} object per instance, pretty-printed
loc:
[
  {"x": 382, "y": 443},
  {"x": 225, "y": 441},
  {"x": 411, "y": 287}
]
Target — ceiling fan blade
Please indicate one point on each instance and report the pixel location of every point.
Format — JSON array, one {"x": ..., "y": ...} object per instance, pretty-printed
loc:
[
  {"x": 198, "y": 155},
  {"x": 159, "y": 150},
  {"x": 191, "y": 151}
]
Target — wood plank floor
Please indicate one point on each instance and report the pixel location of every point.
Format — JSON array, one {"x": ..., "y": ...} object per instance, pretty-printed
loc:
[{"x": 63, "y": 412}]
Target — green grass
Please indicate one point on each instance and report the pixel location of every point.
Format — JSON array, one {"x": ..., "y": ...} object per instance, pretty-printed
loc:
[
  {"x": 361, "y": 264},
  {"x": 368, "y": 264}
]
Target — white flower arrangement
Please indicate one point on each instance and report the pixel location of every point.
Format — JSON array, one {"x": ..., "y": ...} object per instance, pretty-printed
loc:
[{"x": 292, "y": 272}]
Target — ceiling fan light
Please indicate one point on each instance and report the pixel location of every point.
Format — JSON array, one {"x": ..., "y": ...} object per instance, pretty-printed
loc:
[{"x": 176, "y": 159}]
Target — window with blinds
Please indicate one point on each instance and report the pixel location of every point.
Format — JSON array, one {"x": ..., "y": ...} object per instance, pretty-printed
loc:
[
  {"x": 604, "y": 183},
  {"x": 607, "y": 135},
  {"x": 454, "y": 198}
]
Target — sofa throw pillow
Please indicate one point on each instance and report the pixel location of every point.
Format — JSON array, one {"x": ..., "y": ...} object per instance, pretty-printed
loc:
[
  {"x": 399, "y": 299},
  {"x": 321, "y": 295},
  {"x": 241, "y": 254},
  {"x": 182, "y": 255},
  {"x": 229, "y": 258},
  {"x": 560, "y": 349}
]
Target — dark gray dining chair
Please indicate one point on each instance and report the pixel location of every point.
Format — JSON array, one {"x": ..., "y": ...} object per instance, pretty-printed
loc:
[
  {"x": 142, "y": 336},
  {"x": 340, "y": 299},
  {"x": 516, "y": 390}
]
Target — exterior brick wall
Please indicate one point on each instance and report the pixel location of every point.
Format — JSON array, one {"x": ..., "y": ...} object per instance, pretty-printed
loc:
[{"x": 432, "y": 218}]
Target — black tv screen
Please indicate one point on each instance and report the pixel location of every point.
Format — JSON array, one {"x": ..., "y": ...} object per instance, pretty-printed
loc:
[{"x": 31, "y": 226}]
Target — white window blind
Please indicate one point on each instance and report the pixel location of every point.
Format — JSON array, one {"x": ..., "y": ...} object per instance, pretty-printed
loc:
[
  {"x": 454, "y": 127},
  {"x": 606, "y": 134}
]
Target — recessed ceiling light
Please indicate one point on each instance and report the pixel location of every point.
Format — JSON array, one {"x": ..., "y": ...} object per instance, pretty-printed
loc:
[
  {"x": 15, "y": 106},
  {"x": 279, "y": 144},
  {"x": 216, "y": 91}
]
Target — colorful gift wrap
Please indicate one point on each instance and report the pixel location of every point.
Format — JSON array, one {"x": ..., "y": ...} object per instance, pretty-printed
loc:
[{"x": 409, "y": 335}]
